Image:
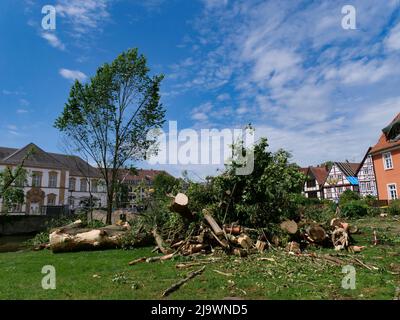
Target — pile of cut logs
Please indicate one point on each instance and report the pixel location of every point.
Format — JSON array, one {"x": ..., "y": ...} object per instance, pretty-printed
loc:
[{"x": 232, "y": 239}]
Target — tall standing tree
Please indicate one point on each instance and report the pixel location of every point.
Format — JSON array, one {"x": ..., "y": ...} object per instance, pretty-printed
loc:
[{"x": 108, "y": 119}]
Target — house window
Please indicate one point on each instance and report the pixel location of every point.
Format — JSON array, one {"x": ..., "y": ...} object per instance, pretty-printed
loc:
[
  {"x": 362, "y": 186},
  {"x": 392, "y": 191},
  {"x": 53, "y": 180},
  {"x": 311, "y": 183},
  {"x": 83, "y": 185},
  {"x": 368, "y": 186},
  {"x": 51, "y": 200},
  {"x": 72, "y": 182},
  {"x": 387, "y": 161},
  {"x": 37, "y": 179},
  {"x": 71, "y": 202},
  {"x": 94, "y": 186}
]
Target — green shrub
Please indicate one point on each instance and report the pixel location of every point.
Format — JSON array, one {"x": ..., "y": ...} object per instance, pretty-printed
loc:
[
  {"x": 348, "y": 196},
  {"x": 394, "y": 207},
  {"x": 320, "y": 213},
  {"x": 354, "y": 209}
]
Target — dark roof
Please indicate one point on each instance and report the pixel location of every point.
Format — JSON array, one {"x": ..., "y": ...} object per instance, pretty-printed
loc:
[
  {"x": 348, "y": 168},
  {"x": 141, "y": 175},
  {"x": 363, "y": 160},
  {"x": 42, "y": 159},
  {"x": 384, "y": 141},
  {"x": 77, "y": 166},
  {"x": 320, "y": 174}
]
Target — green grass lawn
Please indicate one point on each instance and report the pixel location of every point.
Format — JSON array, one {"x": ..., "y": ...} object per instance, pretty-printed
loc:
[{"x": 106, "y": 274}]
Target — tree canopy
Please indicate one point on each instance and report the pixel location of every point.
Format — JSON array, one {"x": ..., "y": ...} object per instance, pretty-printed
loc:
[{"x": 109, "y": 118}]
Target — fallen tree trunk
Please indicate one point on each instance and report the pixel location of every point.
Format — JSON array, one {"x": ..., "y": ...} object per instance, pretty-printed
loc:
[
  {"x": 73, "y": 238},
  {"x": 180, "y": 205}
]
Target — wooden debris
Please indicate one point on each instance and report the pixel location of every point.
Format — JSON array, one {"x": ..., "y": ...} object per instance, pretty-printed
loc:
[
  {"x": 233, "y": 229},
  {"x": 160, "y": 242},
  {"x": 293, "y": 246},
  {"x": 355, "y": 249},
  {"x": 213, "y": 224},
  {"x": 160, "y": 258},
  {"x": 137, "y": 261},
  {"x": 289, "y": 226},
  {"x": 316, "y": 233},
  {"x": 340, "y": 239},
  {"x": 260, "y": 245},
  {"x": 224, "y": 273},
  {"x": 240, "y": 252},
  {"x": 177, "y": 285},
  {"x": 180, "y": 205},
  {"x": 73, "y": 238},
  {"x": 245, "y": 242}
]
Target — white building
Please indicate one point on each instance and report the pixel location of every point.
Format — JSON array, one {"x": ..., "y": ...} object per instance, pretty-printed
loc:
[
  {"x": 366, "y": 176},
  {"x": 53, "y": 179},
  {"x": 341, "y": 177}
]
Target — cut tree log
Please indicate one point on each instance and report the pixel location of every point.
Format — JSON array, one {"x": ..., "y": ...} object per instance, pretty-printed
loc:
[
  {"x": 293, "y": 246},
  {"x": 233, "y": 229},
  {"x": 340, "y": 239},
  {"x": 73, "y": 238},
  {"x": 177, "y": 285},
  {"x": 213, "y": 224},
  {"x": 316, "y": 233},
  {"x": 180, "y": 205},
  {"x": 289, "y": 226},
  {"x": 260, "y": 245},
  {"x": 160, "y": 242},
  {"x": 245, "y": 242}
]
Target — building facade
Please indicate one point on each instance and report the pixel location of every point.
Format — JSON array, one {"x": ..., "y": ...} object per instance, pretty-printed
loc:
[
  {"x": 366, "y": 177},
  {"x": 386, "y": 160},
  {"x": 52, "y": 179},
  {"x": 342, "y": 176},
  {"x": 139, "y": 185},
  {"x": 314, "y": 183}
]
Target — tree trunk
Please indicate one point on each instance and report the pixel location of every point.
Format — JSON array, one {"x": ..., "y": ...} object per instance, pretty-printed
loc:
[
  {"x": 74, "y": 238},
  {"x": 110, "y": 197},
  {"x": 180, "y": 205}
]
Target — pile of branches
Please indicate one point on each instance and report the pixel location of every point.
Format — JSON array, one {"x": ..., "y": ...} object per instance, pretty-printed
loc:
[{"x": 234, "y": 239}]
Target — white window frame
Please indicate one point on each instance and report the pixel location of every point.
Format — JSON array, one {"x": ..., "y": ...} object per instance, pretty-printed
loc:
[
  {"x": 385, "y": 162},
  {"x": 390, "y": 197}
]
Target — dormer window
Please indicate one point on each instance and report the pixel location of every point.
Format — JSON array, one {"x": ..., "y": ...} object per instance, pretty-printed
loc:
[{"x": 387, "y": 161}]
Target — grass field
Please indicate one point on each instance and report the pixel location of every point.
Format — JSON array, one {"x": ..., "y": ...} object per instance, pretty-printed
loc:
[{"x": 106, "y": 274}]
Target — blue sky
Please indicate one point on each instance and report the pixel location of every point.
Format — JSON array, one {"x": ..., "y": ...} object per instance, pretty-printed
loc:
[{"x": 288, "y": 67}]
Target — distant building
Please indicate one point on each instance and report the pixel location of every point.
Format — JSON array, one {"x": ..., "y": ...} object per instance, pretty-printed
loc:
[
  {"x": 342, "y": 176},
  {"x": 53, "y": 179},
  {"x": 386, "y": 160},
  {"x": 314, "y": 183},
  {"x": 139, "y": 184},
  {"x": 366, "y": 176}
]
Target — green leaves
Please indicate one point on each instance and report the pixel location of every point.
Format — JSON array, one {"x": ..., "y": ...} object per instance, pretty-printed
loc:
[{"x": 108, "y": 119}]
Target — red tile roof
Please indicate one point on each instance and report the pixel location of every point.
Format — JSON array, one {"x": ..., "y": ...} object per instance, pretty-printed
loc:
[
  {"x": 320, "y": 174},
  {"x": 383, "y": 143}
]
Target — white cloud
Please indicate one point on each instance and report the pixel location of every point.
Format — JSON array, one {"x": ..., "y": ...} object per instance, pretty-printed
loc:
[
  {"x": 83, "y": 16},
  {"x": 392, "y": 42},
  {"x": 21, "y": 111},
  {"x": 53, "y": 40},
  {"x": 73, "y": 74}
]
